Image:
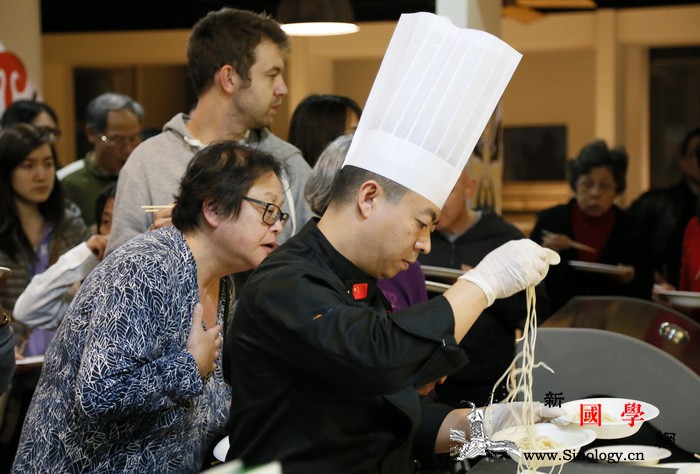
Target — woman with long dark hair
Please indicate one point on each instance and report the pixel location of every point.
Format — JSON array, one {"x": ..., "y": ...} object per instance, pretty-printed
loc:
[
  {"x": 320, "y": 119},
  {"x": 37, "y": 225}
]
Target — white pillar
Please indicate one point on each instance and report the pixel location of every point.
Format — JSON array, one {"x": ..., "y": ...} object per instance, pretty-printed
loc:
[
  {"x": 608, "y": 63},
  {"x": 486, "y": 163}
]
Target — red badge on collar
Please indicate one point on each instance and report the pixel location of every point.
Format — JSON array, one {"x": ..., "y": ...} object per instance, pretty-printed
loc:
[{"x": 359, "y": 291}]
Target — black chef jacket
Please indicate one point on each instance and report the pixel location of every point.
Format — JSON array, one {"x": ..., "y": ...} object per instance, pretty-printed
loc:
[{"x": 323, "y": 376}]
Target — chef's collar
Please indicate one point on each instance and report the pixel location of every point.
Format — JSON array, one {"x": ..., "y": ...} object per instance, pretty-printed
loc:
[
  {"x": 341, "y": 266},
  {"x": 358, "y": 284}
]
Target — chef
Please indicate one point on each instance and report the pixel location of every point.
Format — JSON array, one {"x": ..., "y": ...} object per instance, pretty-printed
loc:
[{"x": 323, "y": 374}]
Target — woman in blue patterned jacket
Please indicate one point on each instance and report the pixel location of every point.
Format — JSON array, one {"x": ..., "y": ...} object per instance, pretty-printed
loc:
[{"x": 133, "y": 380}]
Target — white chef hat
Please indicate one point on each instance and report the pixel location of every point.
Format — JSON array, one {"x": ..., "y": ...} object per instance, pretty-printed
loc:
[{"x": 435, "y": 91}]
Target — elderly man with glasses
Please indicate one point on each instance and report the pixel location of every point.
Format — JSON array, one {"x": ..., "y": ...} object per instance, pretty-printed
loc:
[{"x": 113, "y": 128}]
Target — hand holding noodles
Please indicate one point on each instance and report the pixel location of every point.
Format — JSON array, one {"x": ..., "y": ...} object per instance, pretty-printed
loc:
[
  {"x": 511, "y": 268},
  {"x": 499, "y": 416}
]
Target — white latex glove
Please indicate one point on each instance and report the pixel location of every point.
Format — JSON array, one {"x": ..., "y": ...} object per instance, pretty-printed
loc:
[
  {"x": 510, "y": 268},
  {"x": 498, "y": 416}
]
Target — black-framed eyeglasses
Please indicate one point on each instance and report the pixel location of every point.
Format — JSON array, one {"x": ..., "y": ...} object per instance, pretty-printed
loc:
[
  {"x": 272, "y": 212},
  {"x": 121, "y": 141}
]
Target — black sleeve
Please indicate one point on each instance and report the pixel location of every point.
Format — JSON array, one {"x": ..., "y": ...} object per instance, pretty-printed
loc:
[
  {"x": 433, "y": 414},
  {"x": 307, "y": 322}
]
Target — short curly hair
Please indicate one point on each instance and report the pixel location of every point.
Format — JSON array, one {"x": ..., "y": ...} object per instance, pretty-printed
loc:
[
  {"x": 597, "y": 154},
  {"x": 223, "y": 172}
]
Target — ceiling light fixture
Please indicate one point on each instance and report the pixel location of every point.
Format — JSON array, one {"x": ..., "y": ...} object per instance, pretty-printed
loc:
[{"x": 316, "y": 17}]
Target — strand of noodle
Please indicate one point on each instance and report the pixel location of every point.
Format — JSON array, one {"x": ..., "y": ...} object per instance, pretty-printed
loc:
[{"x": 522, "y": 383}]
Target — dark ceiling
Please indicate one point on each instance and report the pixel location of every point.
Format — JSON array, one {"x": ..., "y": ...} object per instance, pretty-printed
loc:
[{"x": 115, "y": 15}]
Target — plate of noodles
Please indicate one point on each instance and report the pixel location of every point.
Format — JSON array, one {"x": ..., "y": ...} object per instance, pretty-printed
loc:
[
  {"x": 552, "y": 445},
  {"x": 619, "y": 417}
]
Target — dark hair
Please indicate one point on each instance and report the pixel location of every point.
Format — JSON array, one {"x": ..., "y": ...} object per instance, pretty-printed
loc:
[
  {"x": 228, "y": 36},
  {"x": 317, "y": 121},
  {"x": 109, "y": 192},
  {"x": 16, "y": 143},
  {"x": 223, "y": 172},
  {"x": 348, "y": 180},
  {"x": 687, "y": 139},
  {"x": 597, "y": 154},
  {"x": 99, "y": 107},
  {"x": 25, "y": 111}
]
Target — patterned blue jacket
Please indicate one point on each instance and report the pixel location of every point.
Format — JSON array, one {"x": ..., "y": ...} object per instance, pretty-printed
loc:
[{"x": 119, "y": 392}]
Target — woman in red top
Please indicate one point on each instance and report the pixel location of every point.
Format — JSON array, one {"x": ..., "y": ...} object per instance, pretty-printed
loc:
[{"x": 610, "y": 235}]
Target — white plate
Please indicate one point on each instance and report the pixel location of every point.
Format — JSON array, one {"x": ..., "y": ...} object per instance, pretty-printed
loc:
[
  {"x": 599, "y": 268},
  {"x": 221, "y": 449},
  {"x": 570, "y": 442},
  {"x": 678, "y": 465},
  {"x": 31, "y": 360},
  {"x": 633, "y": 454},
  {"x": 690, "y": 468},
  {"x": 231, "y": 467},
  {"x": 442, "y": 272},
  {"x": 613, "y": 407},
  {"x": 686, "y": 299},
  {"x": 436, "y": 287}
]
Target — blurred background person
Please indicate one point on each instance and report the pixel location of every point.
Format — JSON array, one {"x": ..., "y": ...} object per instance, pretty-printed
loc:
[
  {"x": 113, "y": 128},
  {"x": 7, "y": 353},
  {"x": 592, "y": 219},
  {"x": 39, "y": 114},
  {"x": 235, "y": 60},
  {"x": 689, "y": 278},
  {"x": 37, "y": 226},
  {"x": 45, "y": 300},
  {"x": 133, "y": 381},
  {"x": 7, "y": 350},
  {"x": 104, "y": 209},
  {"x": 320, "y": 119},
  {"x": 690, "y": 263},
  {"x": 405, "y": 289},
  {"x": 462, "y": 238},
  {"x": 665, "y": 212}
]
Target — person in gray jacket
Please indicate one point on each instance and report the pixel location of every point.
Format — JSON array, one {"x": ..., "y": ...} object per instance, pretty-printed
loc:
[{"x": 235, "y": 60}]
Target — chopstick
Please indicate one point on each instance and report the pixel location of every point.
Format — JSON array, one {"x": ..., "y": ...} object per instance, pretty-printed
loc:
[
  {"x": 574, "y": 244},
  {"x": 156, "y": 208}
]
